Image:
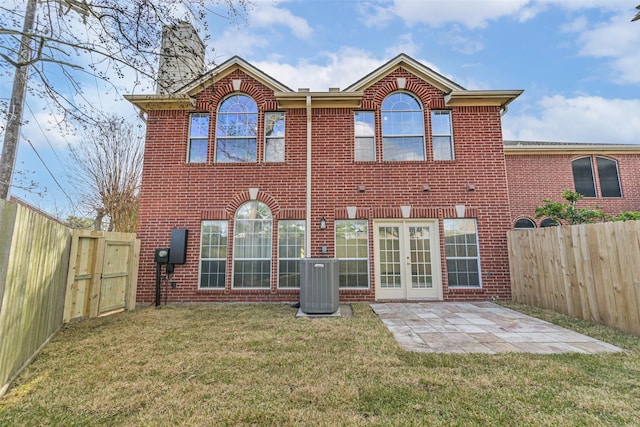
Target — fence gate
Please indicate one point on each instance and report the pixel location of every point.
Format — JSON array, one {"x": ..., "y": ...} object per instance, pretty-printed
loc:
[{"x": 102, "y": 277}]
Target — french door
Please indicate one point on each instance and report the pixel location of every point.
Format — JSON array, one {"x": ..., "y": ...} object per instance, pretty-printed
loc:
[{"x": 407, "y": 259}]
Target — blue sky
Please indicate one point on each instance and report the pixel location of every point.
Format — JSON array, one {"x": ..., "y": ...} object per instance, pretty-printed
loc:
[{"x": 578, "y": 62}]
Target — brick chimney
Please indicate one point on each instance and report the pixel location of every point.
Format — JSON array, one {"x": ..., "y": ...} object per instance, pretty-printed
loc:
[{"x": 181, "y": 57}]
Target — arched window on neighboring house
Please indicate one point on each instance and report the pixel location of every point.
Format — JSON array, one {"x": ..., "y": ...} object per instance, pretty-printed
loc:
[
  {"x": 524, "y": 224},
  {"x": 252, "y": 237},
  {"x": 402, "y": 128},
  {"x": 548, "y": 222},
  {"x": 608, "y": 177}
]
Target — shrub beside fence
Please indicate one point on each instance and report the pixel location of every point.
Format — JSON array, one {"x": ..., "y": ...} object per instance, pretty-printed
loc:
[
  {"x": 588, "y": 271},
  {"x": 50, "y": 274}
]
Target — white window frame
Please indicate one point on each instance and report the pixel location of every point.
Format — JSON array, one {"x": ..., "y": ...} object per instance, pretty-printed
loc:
[
  {"x": 271, "y": 138},
  {"x": 386, "y": 136},
  {"x": 281, "y": 248},
  {"x": 231, "y": 138},
  {"x": 223, "y": 259},
  {"x": 365, "y": 257},
  {"x": 446, "y": 223},
  {"x": 239, "y": 248},
  {"x": 361, "y": 135},
  {"x": 434, "y": 135},
  {"x": 192, "y": 138}
]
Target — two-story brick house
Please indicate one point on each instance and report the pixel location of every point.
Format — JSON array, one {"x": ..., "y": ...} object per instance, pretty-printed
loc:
[
  {"x": 606, "y": 174},
  {"x": 402, "y": 176}
]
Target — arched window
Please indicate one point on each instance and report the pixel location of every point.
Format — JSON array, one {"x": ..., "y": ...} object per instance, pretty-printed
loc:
[
  {"x": 548, "y": 222},
  {"x": 583, "y": 177},
  {"x": 608, "y": 176},
  {"x": 252, "y": 234},
  {"x": 402, "y": 128},
  {"x": 237, "y": 127},
  {"x": 524, "y": 224}
]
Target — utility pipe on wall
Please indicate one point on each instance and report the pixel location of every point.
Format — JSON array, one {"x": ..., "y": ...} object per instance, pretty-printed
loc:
[{"x": 307, "y": 240}]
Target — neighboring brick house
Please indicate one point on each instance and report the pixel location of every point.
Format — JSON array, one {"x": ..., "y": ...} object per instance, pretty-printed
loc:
[
  {"x": 607, "y": 175},
  {"x": 402, "y": 176}
]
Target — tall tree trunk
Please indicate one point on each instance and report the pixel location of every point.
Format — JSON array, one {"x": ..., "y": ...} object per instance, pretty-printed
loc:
[{"x": 14, "y": 115}]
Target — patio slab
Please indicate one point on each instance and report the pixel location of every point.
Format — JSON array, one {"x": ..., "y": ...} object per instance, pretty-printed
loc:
[{"x": 479, "y": 327}]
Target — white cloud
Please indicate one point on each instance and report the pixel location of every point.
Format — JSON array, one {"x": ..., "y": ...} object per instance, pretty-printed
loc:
[
  {"x": 471, "y": 13},
  {"x": 332, "y": 69},
  {"x": 263, "y": 29},
  {"x": 618, "y": 40},
  {"x": 338, "y": 69},
  {"x": 578, "y": 119},
  {"x": 403, "y": 44},
  {"x": 266, "y": 15}
]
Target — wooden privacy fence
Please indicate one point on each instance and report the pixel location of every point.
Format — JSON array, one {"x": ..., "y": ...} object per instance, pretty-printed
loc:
[
  {"x": 34, "y": 257},
  {"x": 50, "y": 274},
  {"x": 589, "y": 271}
]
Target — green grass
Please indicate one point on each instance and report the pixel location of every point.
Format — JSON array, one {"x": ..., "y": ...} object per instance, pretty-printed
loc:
[{"x": 259, "y": 365}]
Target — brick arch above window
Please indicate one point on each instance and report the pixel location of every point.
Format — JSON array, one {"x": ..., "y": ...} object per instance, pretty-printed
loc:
[
  {"x": 248, "y": 86},
  {"x": 245, "y": 196}
]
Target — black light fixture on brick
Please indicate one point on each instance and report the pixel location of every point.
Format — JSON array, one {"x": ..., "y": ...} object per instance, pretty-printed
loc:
[{"x": 323, "y": 223}]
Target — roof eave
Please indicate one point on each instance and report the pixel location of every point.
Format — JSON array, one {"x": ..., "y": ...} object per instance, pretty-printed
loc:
[
  {"x": 497, "y": 98},
  {"x": 404, "y": 61},
  {"x": 228, "y": 67},
  {"x": 319, "y": 99},
  {"x": 571, "y": 149},
  {"x": 162, "y": 102}
]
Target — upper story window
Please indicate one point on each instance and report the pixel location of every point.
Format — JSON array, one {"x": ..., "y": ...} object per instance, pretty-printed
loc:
[
  {"x": 198, "y": 137},
  {"x": 402, "y": 128},
  {"x": 609, "y": 177},
  {"x": 365, "y": 136},
  {"x": 584, "y": 178},
  {"x": 274, "y": 136},
  {"x": 237, "y": 129},
  {"x": 442, "y": 135}
]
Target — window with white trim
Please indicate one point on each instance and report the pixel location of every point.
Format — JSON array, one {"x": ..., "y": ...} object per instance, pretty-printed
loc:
[
  {"x": 198, "y": 137},
  {"x": 352, "y": 251},
  {"x": 237, "y": 127},
  {"x": 461, "y": 252},
  {"x": 274, "y": 136},
  {"x": 442, "y": 136},
  {"x": 213, "y": 254},
  {"x": 402, "y": 128},
  {"x": 290, "y": 251},
  {"x": 365, "y": 136},
  {"x": 252, "y": 231}
]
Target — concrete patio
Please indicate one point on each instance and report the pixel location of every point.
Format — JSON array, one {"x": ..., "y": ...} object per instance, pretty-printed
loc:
[{"x": 479, "y": 327}]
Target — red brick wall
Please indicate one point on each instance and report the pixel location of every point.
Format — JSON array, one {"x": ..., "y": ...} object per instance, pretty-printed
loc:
[
  {"x": 179, "y": 195},
  {"x": 535, "y": 177}
]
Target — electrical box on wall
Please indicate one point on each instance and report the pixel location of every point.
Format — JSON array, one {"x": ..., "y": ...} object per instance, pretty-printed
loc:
[{"x": 178, "y": 252}]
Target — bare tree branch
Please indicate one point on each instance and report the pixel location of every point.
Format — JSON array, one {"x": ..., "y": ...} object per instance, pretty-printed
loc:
[{"x": 107, "y": 169}]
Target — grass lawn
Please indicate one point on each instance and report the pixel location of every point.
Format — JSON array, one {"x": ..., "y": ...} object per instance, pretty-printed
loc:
[{"x": 259, "y": 365}]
